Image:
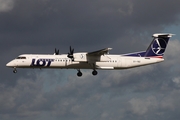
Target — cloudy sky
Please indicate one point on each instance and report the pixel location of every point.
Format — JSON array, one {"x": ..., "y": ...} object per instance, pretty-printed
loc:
[{"x": 38, "y": 26}]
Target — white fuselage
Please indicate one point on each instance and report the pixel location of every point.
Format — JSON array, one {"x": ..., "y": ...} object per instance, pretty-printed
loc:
[{"x": 106, "y": 61}]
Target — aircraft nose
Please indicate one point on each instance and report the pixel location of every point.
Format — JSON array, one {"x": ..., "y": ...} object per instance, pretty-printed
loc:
[{"x": 10, "y": 64}]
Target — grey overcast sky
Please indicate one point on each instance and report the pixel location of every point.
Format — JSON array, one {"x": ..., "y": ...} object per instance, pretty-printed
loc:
[{"x": 38, "y": 26}]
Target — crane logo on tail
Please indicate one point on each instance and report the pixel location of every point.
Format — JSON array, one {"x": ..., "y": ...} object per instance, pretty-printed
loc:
[{"x": 159, "y": 46}]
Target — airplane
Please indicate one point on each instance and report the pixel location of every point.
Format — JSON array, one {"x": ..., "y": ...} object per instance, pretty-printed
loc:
[{"x": 100, "y": 59}]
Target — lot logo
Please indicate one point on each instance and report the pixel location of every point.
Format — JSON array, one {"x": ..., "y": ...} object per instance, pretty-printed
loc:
[
  {"x": 159, "y": 46},
  {"x": 41, "y": 62}
]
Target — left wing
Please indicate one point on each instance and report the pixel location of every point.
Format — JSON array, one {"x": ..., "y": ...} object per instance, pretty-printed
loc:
[{"x": 99, "y": 52}]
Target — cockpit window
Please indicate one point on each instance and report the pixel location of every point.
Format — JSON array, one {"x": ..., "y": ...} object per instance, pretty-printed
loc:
[{"x": 21, "y": 57}]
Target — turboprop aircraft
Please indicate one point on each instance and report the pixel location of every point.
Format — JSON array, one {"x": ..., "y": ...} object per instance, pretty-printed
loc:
[{"x": 100, "y": 59}]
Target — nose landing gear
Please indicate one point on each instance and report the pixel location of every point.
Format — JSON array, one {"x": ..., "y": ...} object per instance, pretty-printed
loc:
[{"x": 14, "y": 71}]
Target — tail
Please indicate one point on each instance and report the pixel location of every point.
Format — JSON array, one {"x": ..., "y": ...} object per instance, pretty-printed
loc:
[
  {"x": 158, "y": 45},
  {"x": 156, "y": 48}
]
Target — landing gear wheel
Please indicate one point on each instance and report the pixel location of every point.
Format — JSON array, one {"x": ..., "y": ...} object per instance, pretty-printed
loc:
[
  {"x": 79, "y": 74},
  {"x": 14, "y": 71},
  {"x": 94, "y": 72}
]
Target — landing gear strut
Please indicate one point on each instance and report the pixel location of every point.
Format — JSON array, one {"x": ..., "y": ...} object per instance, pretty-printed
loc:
[
  {"x": 94, "y": 72},
  {"x": 14, "y": 71},
  {"x": 79, "y": 74}
]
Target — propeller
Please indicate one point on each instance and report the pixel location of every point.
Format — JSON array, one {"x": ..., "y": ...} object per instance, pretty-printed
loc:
[
  {"x": 70, "y": 54},
  {"x": 56, "y": 52}
]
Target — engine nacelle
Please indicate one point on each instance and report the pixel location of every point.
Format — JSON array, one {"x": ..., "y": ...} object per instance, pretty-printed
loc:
[{"x": 80, "y": 57}]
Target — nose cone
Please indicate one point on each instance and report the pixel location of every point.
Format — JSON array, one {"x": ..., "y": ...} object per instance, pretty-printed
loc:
[{"x": 10, "y": 64}]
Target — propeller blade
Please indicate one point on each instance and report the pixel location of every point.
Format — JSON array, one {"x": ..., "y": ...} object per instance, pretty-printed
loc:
[
  {"x": 56, "y": 52},
  {"x": 71, "y": 52}
]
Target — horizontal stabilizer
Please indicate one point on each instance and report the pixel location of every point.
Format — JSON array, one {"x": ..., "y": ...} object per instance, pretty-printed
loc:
[{"x": 163, "y": 35}]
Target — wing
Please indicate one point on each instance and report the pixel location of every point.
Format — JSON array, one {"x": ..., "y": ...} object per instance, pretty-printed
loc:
[{"x": 99, "y": 52}]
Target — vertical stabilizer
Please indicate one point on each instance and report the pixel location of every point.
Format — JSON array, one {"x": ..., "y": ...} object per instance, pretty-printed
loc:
[{"x": 158, "y": 45}]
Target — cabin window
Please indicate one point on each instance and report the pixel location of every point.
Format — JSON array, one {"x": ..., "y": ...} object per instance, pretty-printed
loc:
[{"x": 21, "y": 58}]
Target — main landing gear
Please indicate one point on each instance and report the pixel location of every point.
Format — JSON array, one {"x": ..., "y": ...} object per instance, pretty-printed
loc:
[
  {"x": 94, "y": 72},
  {"x": 79, "y": 74},
  {"x": 14, "y": 71}
]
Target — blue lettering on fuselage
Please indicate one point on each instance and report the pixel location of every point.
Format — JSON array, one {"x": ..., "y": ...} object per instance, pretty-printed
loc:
[{"x": 41, "y": 62}]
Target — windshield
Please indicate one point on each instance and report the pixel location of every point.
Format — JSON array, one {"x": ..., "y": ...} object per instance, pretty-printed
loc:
[{"x": 21, "y": 57}]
